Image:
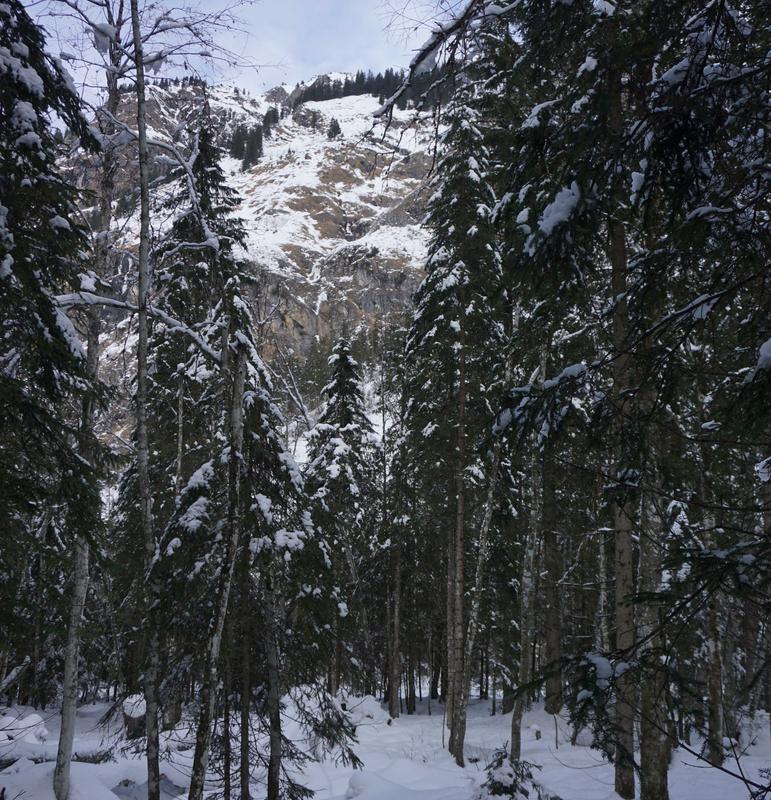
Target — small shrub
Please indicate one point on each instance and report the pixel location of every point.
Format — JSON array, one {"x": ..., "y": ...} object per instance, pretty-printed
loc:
[{"x": 506, "y": 778}]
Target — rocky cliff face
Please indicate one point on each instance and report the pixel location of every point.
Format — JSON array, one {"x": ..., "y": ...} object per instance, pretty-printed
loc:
[{"x": 333, "y": 225}]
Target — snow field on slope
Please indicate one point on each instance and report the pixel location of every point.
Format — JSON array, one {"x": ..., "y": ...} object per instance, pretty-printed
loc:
[
  {"x": 404, "y": 760},
  {"x": 291, "y": 173}
]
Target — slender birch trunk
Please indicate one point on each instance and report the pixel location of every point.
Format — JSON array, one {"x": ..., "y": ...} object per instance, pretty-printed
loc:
[
  {"x": 88, "y": 418},
  {"x": 143, "y": 453},
  {"x": 70, "y": 682}
]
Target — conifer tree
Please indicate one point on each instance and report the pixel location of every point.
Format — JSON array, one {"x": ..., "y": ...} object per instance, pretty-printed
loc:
[
  {"x": 341, "y": 483},
  {"x": 43, "y": 252},
  {"x": 252, "y": 149},
  {"x": 49, "y": 488},
  {"x": 459, "y": 321},
  {"x": 238, "y": 142}
]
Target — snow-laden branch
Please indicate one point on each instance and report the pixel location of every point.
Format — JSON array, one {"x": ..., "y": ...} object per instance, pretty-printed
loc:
[
  {"x": 13, "y": 676},
  {"x": 76, "y": 299},
  {"x": 211, "y": 240},
  {"x": 176, "y": 34},
  {"x": 448, "y": 33}
]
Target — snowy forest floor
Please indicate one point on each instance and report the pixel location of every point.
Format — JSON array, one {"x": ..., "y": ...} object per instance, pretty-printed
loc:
[{"x": 402, "y": 761}]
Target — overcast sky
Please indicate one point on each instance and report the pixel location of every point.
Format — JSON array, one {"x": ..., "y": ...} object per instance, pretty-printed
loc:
[
  {"x": 297, "y": 39},
  {"x": 294, "y": 40}
]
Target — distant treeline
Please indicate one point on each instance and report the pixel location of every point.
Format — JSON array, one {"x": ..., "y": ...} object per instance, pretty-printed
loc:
[
  {"x": 381, "y": 85},
  {"x": 166, "y": 83}
]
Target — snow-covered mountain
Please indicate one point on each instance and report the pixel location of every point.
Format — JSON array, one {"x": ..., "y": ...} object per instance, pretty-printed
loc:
[{"x": 333, "y": 225}]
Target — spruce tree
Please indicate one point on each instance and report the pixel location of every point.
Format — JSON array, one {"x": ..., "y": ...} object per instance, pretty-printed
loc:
[
  {"x": 238, "y": 142},
  {"x": 252, "y": 150},
  {"x": 459, "y": 322},
  {"x": 341, "y": 483},
  {"x": 49, "y": 490}
]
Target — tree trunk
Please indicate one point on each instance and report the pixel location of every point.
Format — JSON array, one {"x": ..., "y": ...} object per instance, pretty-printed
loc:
[
  {"x": 143, "y": 453},
  {"x": 459, "y": 716},
  {"x": 552, "y": 574},
  {"x": 526, "y": 629},
  {"x": 80, "y": 578},
  {"x": 70, "y": 682},
  {"x": 227, "y": 757},
  {"x": 396, "y": 657},
  {"x": 455, "y": 667},
  {"x": 622, "y": 509},
  {"x": 209, "y": 687},
  {"x": 274, "y": 695},
  {"x": 715, "y": 684},
  {"x": 602, "y": 631},
  {"x": 246, "y": 680},
  {"x": 449, "y": 627},
  {"x": 655, "y": 747},
  {"x": 180, "y": 433}
]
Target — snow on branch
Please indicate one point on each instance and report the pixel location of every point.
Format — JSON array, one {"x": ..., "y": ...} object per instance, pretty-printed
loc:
[
  {"x": 449, "y": 33},
  {"x": 75, "y": 299}
]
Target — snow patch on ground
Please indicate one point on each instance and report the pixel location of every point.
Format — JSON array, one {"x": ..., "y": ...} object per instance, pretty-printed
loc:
[{"x": 404, "y": 759}]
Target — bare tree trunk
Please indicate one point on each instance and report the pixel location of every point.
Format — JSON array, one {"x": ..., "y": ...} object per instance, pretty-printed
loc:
[
  {"x": 456, "y": 668},
  {"x": 602, "y": 630},
  {"x": 461, "y": 707},
  {"x": 227, "y": 757},
  {"x": 655, "y": 747},
  {"x": 79, "y": 588},
  {"x": 715, "y": 684},
  {"x": 80, "y": 577},
  {"x": 143, "y": 452},
  {"x": 70, "y": 683},
  {"x": 552, "y": 574},
  {"x": 396, "y": 656},
  {"x": 448, "y": 684},
  {"x": 625, "y": 638},
  {"x": 526, "y": 629},
  {"x": 623, "y": 509},
  {"x": 209, "y": 687},
  {"x": 246, "y": 680},
  {"x": 333, "y": 682},
  {"x": 180, "y": 432},
  {"x": 274, "y": 695}
]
